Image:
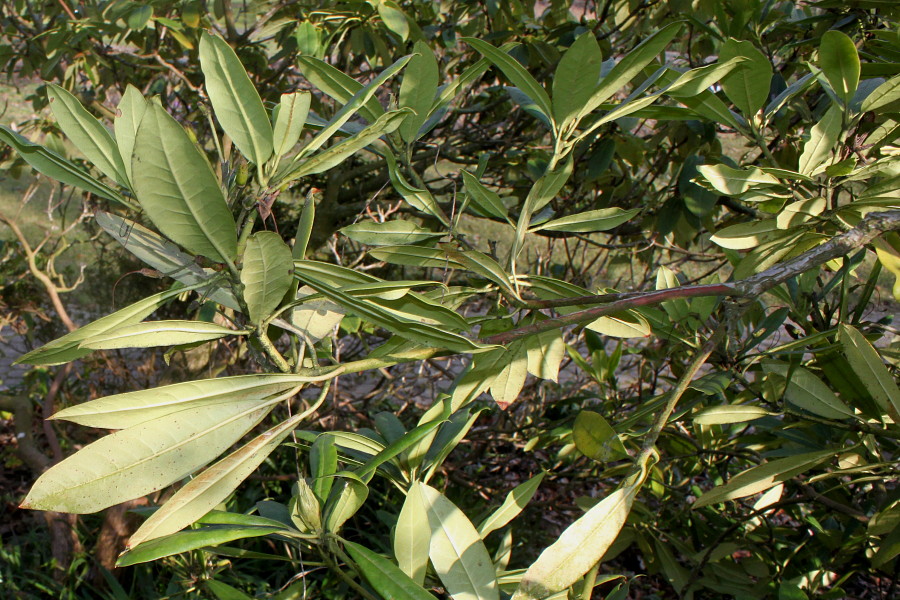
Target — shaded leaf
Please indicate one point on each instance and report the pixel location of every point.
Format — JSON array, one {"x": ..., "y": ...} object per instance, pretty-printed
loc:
[
  {"x": 267, "y": 274},
  {"x": 190, "y": 540},
  {"x": 839, "y": 61},
  {"x": 515, "y": 501},
  {"x": 383, "y": 575},
  {"x": 596, "y": 439}
]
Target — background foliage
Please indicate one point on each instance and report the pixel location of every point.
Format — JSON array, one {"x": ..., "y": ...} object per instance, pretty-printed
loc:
[{"x": 627, "y": 262}]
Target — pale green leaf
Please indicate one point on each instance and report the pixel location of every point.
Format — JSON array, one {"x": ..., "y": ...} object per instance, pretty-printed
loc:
[
  {"x": 456, "y": 550},
  {"x": 509, "y": 381},
  {"x": 693, "y": 82},
  {"x": 143, "y": 458},
  {"x": 746, "y": 236},
  {"x": 885, "y": 94},
  {"x": 809, "y": 392},
  {"x": 266, "y": 274},
  {"x": 235, "y": 101},
  {"x": 602, "y": 219},
  {"x": 190, "y": 540},
  {"x": 177, "y": 188},
  {"x": 418, "y": 198},
  {"x": 339, "y": 86},
  {"x": 412, "y": 536},
  {"x": 129, "y": 113},
  {"x": 733, "y": 182},
  {"x": 393, "y": 18},
  {"x": 822, "y": 138},
  {"x": 515, "y": 501},
  {"x": 88, "y": 135},
  {"x": 389, "y": 233},
  {"x": 576, "y": 76},
  {"x": 151, "y": 334},
  {"x": 484, "y": 200},
  {"x": 760, "y": 478},
  {"x": 627, "y": 324},
  {"x": 725, "y": 415},
  {"x": 545, "y": 352},
  {"x": 347, "y": 496},
  {"x": 211, "y": 487},
  {"x": 290, "y": 117},
  {"x": 799, "y": 212}
]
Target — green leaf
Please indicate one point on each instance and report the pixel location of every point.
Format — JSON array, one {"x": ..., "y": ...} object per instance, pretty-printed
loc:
[
  {"x": 211, "y": 487},
  {"x": 338, "y": 153},
  {"x": 596, "y": 439},
  {"x": 266, "y": 274},
  {"x": 190, "y": 540},
  {"x": 576, "y": 76},
  {"x": 745, "y": 236},
  {"x": 47, "y": 162},
  {"x": 418, "y": 89},
  {"x": 234, "y": 99},
  {"x": 871, "y": 370},
  {"x": 629, "y": 67},
  {"x": 412, "y": 535},
  {"x": 129, "y": 113},
  {"x": 223, "y": 591},
  {"x": 384, "y": 576},
  {"x": 177, "y": 188},
  {"x": 388, "y": 233},
  {"x": 143, "y": 458},
  {"x": 121, "y": 411},
  {"x": 399, "y": 446},
  {"x": 885, "y": 94},
  {"x": 626, "y": 324},
  {"x": 67, "y": 348},
  {"x": 418, "y": 256},
  {"x": 602, "y": 219},
  {"x": 580, "y": 547},
  {"x": 822, "y": 138},
  {"x": 797, "y": 213},
  {"x": 545, "y": 351},
  {"x": 760, "y": 478},
  {"x": 346, "y": 497},
  {"x": 339, "y": 86},
  {"x": 747, "y": 87},
  {"x": 456, "y": 550},
  {"x": 516, "y": 73},
  {"x": 323, "y": 463},
  {"x": 393, "y": 18},
  {"x": 157, "y": 333},
  {"x": 515, "y": 501},
  {"x": 420, "y": 199},
  {"x": 290, "y": 117},
  {"x": 695, "y": 81},
  {"x": 732, "y": 182},
  {"x": 484, "y": 200},
  {"x": 809, "y": 392},
  {"x": 726, "y": 415},
  {"x": 839, "y": 61},
  {"x": 508, "y": 383},
  {"x": 88, "y": 135}
]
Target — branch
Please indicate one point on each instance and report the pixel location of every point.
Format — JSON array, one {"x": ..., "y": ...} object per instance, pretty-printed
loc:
[{"x": 873, "y": 225}]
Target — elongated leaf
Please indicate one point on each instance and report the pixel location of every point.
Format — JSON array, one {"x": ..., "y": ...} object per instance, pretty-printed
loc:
[
  {"x": 457, "y": 552},
  {"x": 822, "y": 138},
  {"x": 121, "y": 411},
  {"x": 67, "y": 348},
  {"x": 602, "y": 219},
  {"x": 290, "y": 117},
  {"x": 745, "y": 236},
  {"x": 177, "y": 188},
  {"x": 760, "y": 478},
  {"x": 412, "y": 535},
  {"x": 747, "y": 87},
  {"x": 871, "y": 370},
  {"x": 396, "y": 448},
  {"x": 418, "y": 198},
  {"x": 339, "y": 86},
  {"x": 695, "y": 81},
  {"x": 839, "y": 61},
  {"x": 352, "y": 106},
  {"x": 88, "y": 135},
  {"x": 383, "y": 575},
  {"x": 267, "y": 273},
  {"x": 627, "y": 324},
  {"x": 510, "y": 379},
  {"x": 576, "y": 76},
  {"x": 516, "y": 73},
  {"x": 335, "y": 155},
  {"x": 725, "y": 415},
  {"x": 596, "y": 439},
  {"x": 393, "y": 18},
  {"x": 627, "y": 68},
  {"x": 223, "y": 591},
  {"x": 545, "y": 351},
  {"x": 515, "y": 501},
  {"x": 809, "y": 392},
  {"x": 483, "y": 199},
  {"x": 234, "y": 99},
  {"x": 205, "y": 491},
  {"x": 190, "y": 540},
  {"x": 129, "y": 113},
  {"x": 144, "y": 458},
  {"x": 885, "y": 94},
  {"x": 388, "y": 233},
  {"x": 580, "y": 547},
  {"x": 157, "y": 333},
  {"x": 732, "y": 182},
  {"x": 346, "y": 497},
  {"x": 418, "y": 89},
  {"x": 52, "y": 165},
  {"x": 418, "y": 256}
]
